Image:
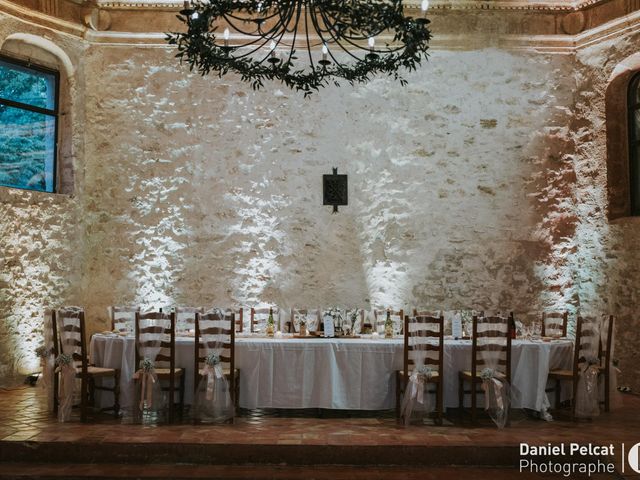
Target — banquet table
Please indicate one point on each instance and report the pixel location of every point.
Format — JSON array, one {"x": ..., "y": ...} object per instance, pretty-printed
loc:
[{"x": 336, "y": 373}]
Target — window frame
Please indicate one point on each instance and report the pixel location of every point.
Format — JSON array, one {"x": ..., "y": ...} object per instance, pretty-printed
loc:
[{"x": 55, "y": 113}]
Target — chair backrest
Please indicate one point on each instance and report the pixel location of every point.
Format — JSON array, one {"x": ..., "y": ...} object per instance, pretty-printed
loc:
[
  {"x": 68, "y": 335},
  {"x": 215, "y": 333},
  {"x": 186, "y": 318},
  {"x": 423, "y": 343},
  {"x": 587, "y": 342},
  {"x": 491, "y": 344},
  {"x": 259, "y": 318},
  {"x": 313, "y": 318},
  {"x": 427, "y": 313},
  {"x": 156, "y": 339},
  {"x": 554, "y": 324},
  {"x": 239, "y": 316},
  {"x": 397, "y": 317},
  {"x": 123, "y": 318}
]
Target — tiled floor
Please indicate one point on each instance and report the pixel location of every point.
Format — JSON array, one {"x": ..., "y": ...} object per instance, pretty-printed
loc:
[
  {"x": 25, "y": 420},
  {"x": 23, "y": 416}
]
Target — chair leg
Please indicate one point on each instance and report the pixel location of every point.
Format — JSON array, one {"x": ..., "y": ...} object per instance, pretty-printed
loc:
[
  {"x": 181, "y": 395},
  {"x": 116, "y": 393},
  {"x": 83, "y": 399},
  {"x": 236, "y": 397},
  {"x": 460, "y": 397},
  {"x": 474, "y": 399},
  {"x": 398, "y": 395},
  {"x": 91, "y": 383},
  {"x": 54, "y": 391},
  {"x": 439, "y": 402},
  {"x": 606, "y": 392}
]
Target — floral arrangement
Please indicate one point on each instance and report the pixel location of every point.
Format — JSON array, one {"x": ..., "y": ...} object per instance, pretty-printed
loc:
[
  {"x": 147, "y": 365},
  {"x": 592, "y": 360},
  {"x": 42, "y": 352},
  {"x": 64, "y": 359},
  {"x": 487, "y": 374},
  {"x": 424, "y": 371},
  {"x": 212, "y": 359}
]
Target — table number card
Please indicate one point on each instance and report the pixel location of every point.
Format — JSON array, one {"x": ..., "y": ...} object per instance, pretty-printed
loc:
[{"x": 328, "y": 326}]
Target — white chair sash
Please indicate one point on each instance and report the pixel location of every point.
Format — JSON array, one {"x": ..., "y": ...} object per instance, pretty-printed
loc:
[
  {"x": 64, "y": 364},
  {"x": 146, "y": 374},
  {"x": 587, "y": 393},
  {"x": 213, "y": 397},
  {"x": 497, "y": 391}
]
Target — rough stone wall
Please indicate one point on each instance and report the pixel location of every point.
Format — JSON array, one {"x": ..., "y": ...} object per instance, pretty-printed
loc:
[
  {"x": 482, "y": 184},
  {"x": 202, "y": 191},
  {"x": 40, "y": 235},
  {"x": 607, "y": 257}
]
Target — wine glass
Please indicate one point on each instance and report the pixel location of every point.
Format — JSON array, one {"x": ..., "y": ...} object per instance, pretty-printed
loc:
[{"x": 537, "y": 329}]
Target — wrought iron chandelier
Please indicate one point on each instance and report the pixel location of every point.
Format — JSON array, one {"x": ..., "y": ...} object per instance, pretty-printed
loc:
[{"x": 305, "y": 44}]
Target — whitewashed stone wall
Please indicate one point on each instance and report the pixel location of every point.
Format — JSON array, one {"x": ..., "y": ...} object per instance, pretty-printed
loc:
[
  {"x": 479, "y": 185},
  {"x": 41, "y": 237}
]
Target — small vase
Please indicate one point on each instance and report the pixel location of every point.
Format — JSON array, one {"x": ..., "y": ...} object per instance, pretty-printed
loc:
[
  {"x": 270, "y": 330},
  {"x": 303, "y": 330}
]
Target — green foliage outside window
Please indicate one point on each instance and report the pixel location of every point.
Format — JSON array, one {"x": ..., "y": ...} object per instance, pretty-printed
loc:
[{"x": 28, "y": 116}]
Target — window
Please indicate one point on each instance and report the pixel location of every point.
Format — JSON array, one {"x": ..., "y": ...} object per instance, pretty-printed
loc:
[
  {"x": 634, "y": 142},
  {"x": 28, "y": 125}
]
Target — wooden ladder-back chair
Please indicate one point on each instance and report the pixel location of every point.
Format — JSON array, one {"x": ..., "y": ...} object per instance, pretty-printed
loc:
[
  {"x": 159, "y": 330},
  {"x": 586, "y": 329},
  {"x": 423, "y": 334},
  {"x": 69, "y": 338},
  {"x": 123, "y": 318},
  {"x": 222, "y": 332},
  {"x": 239, "y": 316},
  {"x": 554, "y": 324},
  {"x": 186, "y": 319},
  {"x": 490, "y": 334}
]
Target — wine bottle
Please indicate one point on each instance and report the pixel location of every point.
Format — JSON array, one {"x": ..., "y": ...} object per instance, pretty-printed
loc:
[
  {"x": 388, "y": 326},
  {"x": 270, "y": 323}
]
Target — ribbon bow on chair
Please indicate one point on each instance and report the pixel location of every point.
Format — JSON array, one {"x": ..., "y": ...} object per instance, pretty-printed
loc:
[
  {"x": 495, "y": 385},
  {"x": 417, "y": 381},
  {"x": 147, "y": 375},
  {"x": 589, "y": 371},
  {"x": 212, "y": 370},
  {"x": 490, "y": 380},
  {"x": 415, "y": 390}
]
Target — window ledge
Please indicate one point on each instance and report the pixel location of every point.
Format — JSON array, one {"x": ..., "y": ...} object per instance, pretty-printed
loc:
[{"x": 19, "y": 196}]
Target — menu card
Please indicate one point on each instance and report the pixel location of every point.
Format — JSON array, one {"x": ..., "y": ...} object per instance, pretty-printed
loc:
[{"x": 328, "y": 326}]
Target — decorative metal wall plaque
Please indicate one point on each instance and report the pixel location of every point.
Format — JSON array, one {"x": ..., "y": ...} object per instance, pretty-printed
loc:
[{"x": 334, "y": 190}]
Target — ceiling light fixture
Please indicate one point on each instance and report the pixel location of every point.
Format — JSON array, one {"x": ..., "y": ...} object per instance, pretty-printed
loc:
[{"x": 304, "y": 44}]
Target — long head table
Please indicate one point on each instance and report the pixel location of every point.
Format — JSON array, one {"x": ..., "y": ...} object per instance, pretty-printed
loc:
[{"x": 354, "y": 374}]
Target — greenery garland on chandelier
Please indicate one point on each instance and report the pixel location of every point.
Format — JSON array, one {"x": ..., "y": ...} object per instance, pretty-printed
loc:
[{"x": 337, "y": 40}]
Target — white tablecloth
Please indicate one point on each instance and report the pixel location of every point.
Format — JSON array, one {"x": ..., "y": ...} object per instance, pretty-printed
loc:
[{"x": 354, "y": 374}]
